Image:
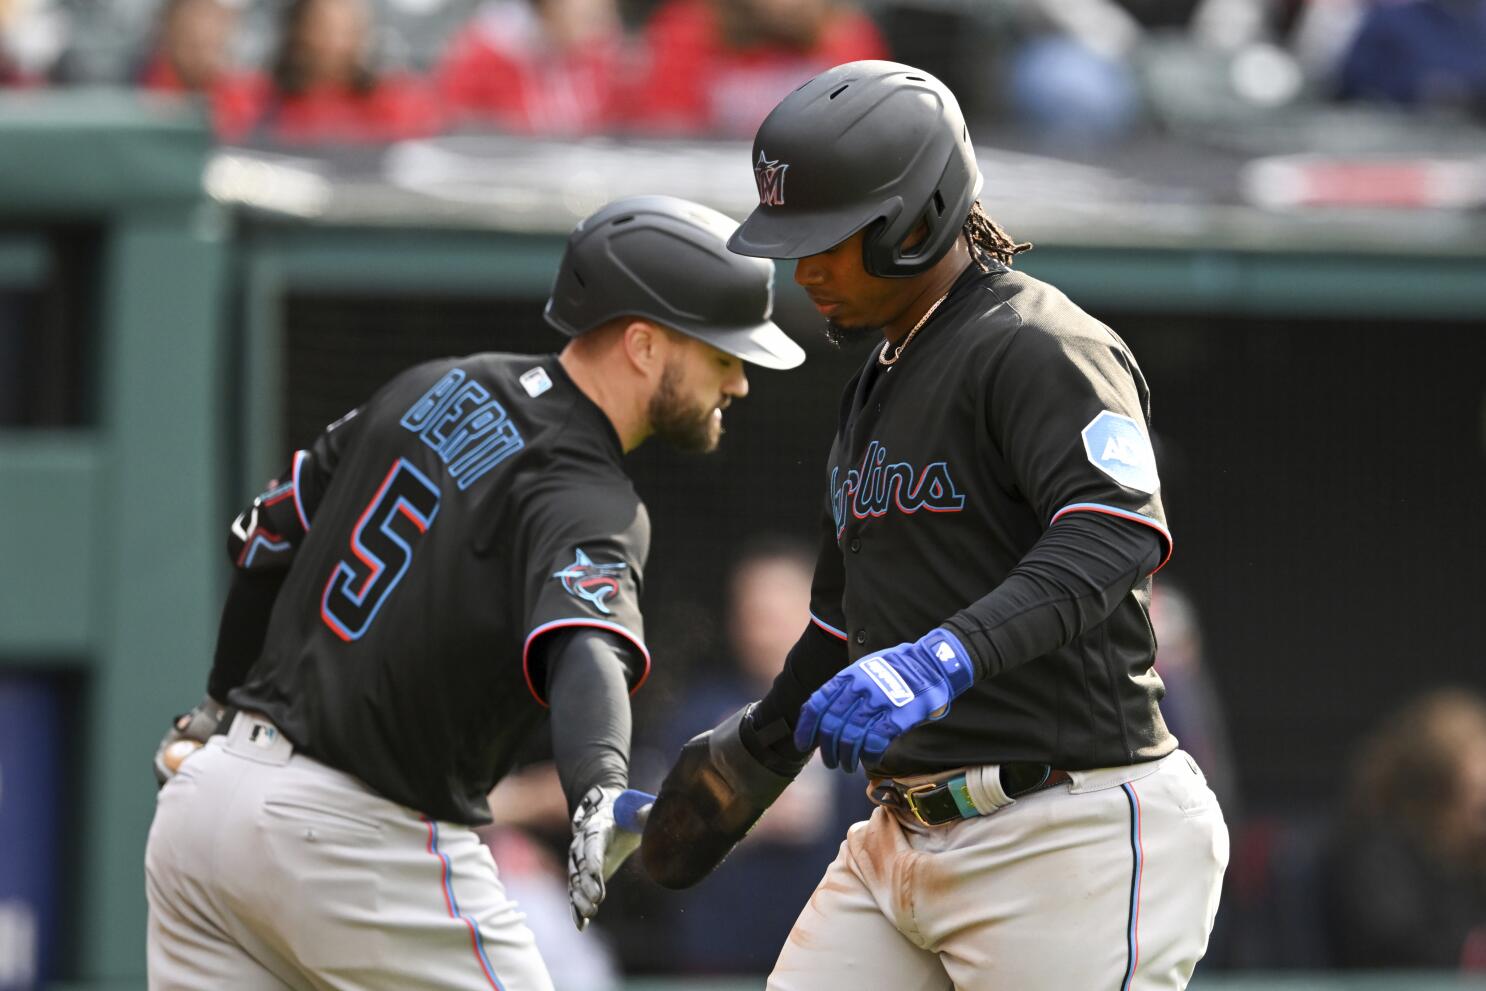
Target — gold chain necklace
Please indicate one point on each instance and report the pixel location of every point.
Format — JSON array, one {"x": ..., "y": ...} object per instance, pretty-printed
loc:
[{"x": 883, "y": 359}]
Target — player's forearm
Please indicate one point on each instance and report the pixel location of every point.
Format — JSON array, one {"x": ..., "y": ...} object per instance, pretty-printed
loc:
[
  {"x": 588, "y": 690},
  {"x": 244, "y": 625},
  {"x": 815, "y": 657},
  {"x": 1068, "y": 583}
]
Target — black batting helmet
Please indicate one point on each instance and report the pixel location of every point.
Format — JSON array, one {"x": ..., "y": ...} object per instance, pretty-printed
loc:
[
  {"x": 666, "y": 260},
  {"x": 865, "y": 145}
]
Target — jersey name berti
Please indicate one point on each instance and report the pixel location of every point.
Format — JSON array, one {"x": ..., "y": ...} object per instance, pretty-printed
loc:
[{"x": 466, "y": 427}]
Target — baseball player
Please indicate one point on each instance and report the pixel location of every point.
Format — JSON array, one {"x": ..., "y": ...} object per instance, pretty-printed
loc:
[
  {"x": 979, "y": 636},
  {"x": 441, "y": 573}
]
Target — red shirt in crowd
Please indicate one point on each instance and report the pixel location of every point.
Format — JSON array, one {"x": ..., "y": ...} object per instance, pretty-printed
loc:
[
  {"x": 502, "y": 70},
  {"x": 236, "y": 99},
  {"x": 396, "y": 107},
  {"x": 696, "y": 84}
]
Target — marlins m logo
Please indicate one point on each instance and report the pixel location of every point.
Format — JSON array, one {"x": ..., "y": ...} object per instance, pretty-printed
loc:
[
  {"x": 595, "y": 583},
  {"x": 770, "y": 178}
]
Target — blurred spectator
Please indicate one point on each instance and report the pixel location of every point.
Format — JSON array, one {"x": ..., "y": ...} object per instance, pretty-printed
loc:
[
  {"x": 1193, "y": 710},
  {"x": 769, "y": 605},
  {"x": 1161, "y": 13},
  {"x": 192, "y": 55},
  {"x": 1406, "y": 879},
  {"x": 549, "y": 67},
  {"x": 1321, "y": 32},
  {"x": 325, "y": 88},
  {"x": 1192, "y": 706},
  {"x": 1095, "y": 71},
  {"x": 1419, "y": 53},
  {"x": 33, "y": 34},
  {"x": 1070, "y": 94},
  {"x": 718, "y": 67},
  {"x": 1071, "y": 81},
  {"x": 11, "y": 72}
]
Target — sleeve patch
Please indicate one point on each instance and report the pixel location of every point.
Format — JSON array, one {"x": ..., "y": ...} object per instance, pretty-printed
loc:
[
  {"x": 590, "y": 581},
  {"x": 1119, "y": 448}
]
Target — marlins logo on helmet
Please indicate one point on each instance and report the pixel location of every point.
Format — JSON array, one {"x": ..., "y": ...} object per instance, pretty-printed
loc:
[
  {"x": 770, "y": 178},
  {"x": 589, "y": 581}
]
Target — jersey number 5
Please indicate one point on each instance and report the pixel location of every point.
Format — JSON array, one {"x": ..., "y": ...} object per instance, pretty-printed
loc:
[{"x": 381, "y": 548}]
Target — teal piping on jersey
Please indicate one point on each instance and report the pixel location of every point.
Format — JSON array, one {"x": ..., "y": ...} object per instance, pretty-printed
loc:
[
  {"x": 1095, "y": 507},
  {"x": 838, "y": 634},
  {"x": 453, "y": 905},
  {"x": 579, "y": 621},
  {"x": 299, "y": 458},
  {"x": 1137, "y": 867}
]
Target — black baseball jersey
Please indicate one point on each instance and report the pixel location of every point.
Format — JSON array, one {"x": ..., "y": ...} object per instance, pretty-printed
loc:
[
  {"x": 472, "y": 505},
  {"x": 1010, "y": 409}
]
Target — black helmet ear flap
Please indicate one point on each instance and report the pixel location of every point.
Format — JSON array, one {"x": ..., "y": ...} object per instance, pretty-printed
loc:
[
  {"x": 903, "y": 258},
  {"x": 884, "y": 236},
  {"x": 888, "y": 255}
]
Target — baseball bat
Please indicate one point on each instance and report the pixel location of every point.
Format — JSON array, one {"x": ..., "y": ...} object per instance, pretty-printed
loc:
[{"x": 632, "y": 808}]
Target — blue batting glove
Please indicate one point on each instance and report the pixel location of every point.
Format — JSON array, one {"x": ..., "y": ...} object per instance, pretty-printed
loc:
[{"x": 860, "y": 711}]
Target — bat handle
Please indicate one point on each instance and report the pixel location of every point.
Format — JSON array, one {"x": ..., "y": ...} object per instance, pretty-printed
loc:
[{"x": 632, "y": 808}]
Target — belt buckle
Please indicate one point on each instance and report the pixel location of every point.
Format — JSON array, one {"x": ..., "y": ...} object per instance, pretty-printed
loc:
[{"x": 910, "y": 795}]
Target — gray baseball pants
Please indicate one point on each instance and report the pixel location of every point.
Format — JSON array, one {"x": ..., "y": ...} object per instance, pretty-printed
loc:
[
  {"x": 1108, "y": 882},
  {"x": 267, "y": 870}
]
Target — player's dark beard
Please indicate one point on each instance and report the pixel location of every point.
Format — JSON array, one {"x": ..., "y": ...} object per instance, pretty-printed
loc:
[
  {"x": 676, "y": 421},
  {"x": 841, "y": 336}
]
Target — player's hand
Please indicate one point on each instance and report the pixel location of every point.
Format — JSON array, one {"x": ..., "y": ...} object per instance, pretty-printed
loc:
[
  {"x": 860, "y": 711},
  {"x": 194, "y": 727},
  {"x": 606, "y": 830}
]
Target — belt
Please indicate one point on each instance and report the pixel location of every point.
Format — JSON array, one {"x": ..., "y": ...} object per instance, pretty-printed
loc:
[
  {"x": 253, "y": 736},
  {"x": 935, "y": 803}
]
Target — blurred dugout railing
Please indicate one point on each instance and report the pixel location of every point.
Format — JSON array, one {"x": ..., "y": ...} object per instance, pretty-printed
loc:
[{"x": 186, "y": 316}]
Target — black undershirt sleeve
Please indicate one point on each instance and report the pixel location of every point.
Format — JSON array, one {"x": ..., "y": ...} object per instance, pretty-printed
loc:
[
  {"x": 812, "y": 661},
  {"x": 1070, "y": 580},
  {"x": 244, "y": 625},
  {"x": 588, "y": 677}
]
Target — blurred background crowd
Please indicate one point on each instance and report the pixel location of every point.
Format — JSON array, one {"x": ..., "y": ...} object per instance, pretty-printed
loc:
[
  {"x": 1320, "y": 632},
  {"x": 1075, "y": 72}
]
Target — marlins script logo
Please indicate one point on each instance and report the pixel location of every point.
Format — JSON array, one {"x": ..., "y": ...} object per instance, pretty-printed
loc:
[{"x": 770, "y": 178}]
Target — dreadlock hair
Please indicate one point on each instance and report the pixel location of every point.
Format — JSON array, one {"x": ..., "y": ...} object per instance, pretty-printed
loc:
[{"x": 988, "y": 240}]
